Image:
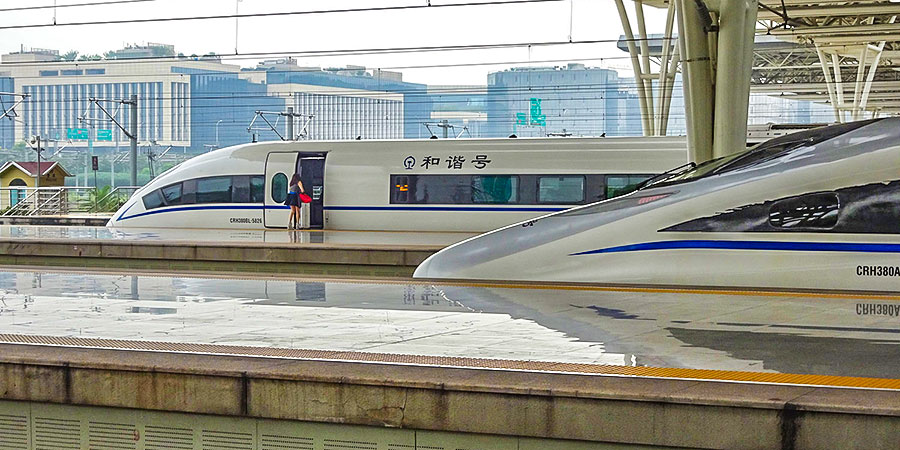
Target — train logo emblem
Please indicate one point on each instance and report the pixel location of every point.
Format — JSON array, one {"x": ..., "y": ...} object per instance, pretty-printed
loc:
[{"x": 409, "y": 162}]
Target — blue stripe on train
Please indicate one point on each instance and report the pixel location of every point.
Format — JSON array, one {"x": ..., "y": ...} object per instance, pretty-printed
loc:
[
  {"x": 442, "y": 208},
  {"x": 750, "y": 245}
]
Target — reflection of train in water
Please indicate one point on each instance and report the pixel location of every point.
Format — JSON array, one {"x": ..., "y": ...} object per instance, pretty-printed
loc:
[
  {"x": 440, "y": 185},
  {"x": 818, "y": 209}
]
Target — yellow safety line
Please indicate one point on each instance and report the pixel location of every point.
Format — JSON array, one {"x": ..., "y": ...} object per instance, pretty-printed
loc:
[{"x": 461, "y": 362}]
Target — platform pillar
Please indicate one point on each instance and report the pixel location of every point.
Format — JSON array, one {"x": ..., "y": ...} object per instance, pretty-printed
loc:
[{"x": 737, "y": 19}]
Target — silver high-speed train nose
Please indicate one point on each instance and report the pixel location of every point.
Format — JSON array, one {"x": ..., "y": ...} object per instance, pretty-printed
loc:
[{"x": 523, "y": 251}]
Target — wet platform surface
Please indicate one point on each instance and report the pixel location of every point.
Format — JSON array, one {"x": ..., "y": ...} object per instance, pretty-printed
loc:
[
  {"x": 84, "y": 233},
  {"x": 756, "y": 332}
]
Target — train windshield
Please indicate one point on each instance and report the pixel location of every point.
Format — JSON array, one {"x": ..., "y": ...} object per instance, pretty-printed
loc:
[{"x": 763, "y": 152}]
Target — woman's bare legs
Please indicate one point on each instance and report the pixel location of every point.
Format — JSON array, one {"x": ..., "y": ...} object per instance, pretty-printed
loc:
[{"x": 292, "y": 222}]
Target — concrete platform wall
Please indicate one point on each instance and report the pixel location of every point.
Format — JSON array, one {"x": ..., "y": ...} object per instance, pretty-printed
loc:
[{"x": 478, "y": 408}]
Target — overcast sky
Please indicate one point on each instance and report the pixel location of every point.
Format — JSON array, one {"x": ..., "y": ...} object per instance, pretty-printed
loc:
[{"x": 467, "y": 25}]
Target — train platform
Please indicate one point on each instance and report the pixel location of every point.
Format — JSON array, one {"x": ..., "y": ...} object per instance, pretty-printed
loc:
[
  {"x": 315, "y": 252},
  {"x": 769, "y": 369}
]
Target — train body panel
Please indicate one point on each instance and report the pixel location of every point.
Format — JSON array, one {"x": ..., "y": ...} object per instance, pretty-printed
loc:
[
  {"x": 418, "y": 185},
  {"x": 820, "y": 212}
]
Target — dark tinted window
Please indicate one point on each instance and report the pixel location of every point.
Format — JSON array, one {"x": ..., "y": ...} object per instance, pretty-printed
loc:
[
  {"x": 566, "y": 189},
  {"x": 189, "y": 192},
  {"x": 257, "y": 189},
  {"x": 617, "y": 185},
  {"x": 172, "y": 194},
  {"x": 241, "y": 189},
  {"x": 279, "y": 187},
  {"x": 501, "y": 189},
  {"x": 153, "y": 200},
  {"x": 495, "y": 189},
  {"x": 214, "y": 190},
  {"x": 445, "y": 189},
  {"x": 784, "y": 145}
]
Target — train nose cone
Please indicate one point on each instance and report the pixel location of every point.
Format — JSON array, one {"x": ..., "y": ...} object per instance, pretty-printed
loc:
[
  {"x": 451, "y": 262},
  {"x": 486, "y": 256}
]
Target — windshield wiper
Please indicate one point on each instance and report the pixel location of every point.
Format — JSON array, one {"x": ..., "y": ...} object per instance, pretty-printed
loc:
[{"x": 666, "y": 175}]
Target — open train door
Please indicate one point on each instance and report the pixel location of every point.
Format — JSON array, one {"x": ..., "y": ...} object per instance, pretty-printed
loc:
[
  {"x": 311, "y": 168},
  {"x": 279, "y": 169}
]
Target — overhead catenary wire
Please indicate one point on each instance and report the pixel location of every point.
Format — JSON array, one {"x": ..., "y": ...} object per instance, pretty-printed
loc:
[
  {"x": 72, "y": 5},
  {"x": 272, "y": 14}
]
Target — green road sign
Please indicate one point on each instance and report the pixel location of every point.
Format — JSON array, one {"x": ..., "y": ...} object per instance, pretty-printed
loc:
[
  {"x": 104, "y": 135},
  {"x": 78, "y": 133}
]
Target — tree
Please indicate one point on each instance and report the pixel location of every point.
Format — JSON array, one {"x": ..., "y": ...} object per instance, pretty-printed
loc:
[
  {"x": 69, "y": 55},
  {"x": 90, "y": 58}
]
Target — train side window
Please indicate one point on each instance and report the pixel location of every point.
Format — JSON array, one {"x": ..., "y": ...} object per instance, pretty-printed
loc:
[
  {"x": 257, "y": 189},
  {"x": 189, "y": 192},
  {"x": 153, "y": 200},
  {"x": 400, "y": 189},
  {"x": 495, "y": 189},
  {"x": 818, "y": 210},
  {"x": 172, "y": 194},
  {"x": 617, "y": 185},
  {"x": 240, "y": 189},
  {"x": 440, "y": 189},
  {"x": 214, "y": 190},
  {"x": 561, "y": 190},
  {"x": 279, "y": 187}
]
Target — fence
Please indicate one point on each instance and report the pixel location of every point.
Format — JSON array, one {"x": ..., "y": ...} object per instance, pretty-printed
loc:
[{"x": 29, "y": 201}]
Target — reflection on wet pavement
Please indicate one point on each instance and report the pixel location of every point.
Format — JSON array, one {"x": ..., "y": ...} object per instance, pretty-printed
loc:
[
  {"x": 827, "y": 336},
  {"x": 223, "y": 235}
]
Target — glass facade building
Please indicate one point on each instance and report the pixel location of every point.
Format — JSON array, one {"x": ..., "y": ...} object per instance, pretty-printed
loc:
[{"x": 576, "y": 100}]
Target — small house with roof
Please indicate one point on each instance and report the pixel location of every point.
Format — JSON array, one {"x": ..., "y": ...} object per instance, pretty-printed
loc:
[{"x": 17, "y": 174}]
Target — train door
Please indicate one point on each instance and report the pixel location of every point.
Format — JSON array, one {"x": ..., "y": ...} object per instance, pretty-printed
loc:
[
  {"x": 279, "y": 169},
  {"x": 311, "y": 168}
]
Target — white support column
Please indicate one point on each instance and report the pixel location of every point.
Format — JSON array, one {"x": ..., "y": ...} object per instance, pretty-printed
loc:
[
  {"x": 860, "y": 72},
  {"x": 829, "y": 85},
  {"x": 868, "y": 86},
  {"x": 735, "y": 55},
  {"x": 698, "y": 83},
  {"x": 673, "y": 69},
  {"x": 665, "y": 88},
  {"x": 638, "y": 72},
  {"x": 838, "y": 86},
  {"x": 645, "y": 67}
]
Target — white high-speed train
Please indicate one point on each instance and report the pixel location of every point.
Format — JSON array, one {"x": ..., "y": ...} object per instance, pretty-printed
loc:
[
  {"x": 420, "y": 185},
  {"x": 819, "y": 209}
]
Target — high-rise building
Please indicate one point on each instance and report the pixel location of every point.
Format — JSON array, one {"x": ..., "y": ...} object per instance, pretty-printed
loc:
[
  {"x": 60, "y": 92},
  {"x": 350, "y": 102},
  {"x": 571, "y": 100},
  {"x": 7, "y": 124}
]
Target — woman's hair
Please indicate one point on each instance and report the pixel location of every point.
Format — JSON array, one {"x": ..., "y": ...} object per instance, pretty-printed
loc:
[{"x": 295, "y": 179}]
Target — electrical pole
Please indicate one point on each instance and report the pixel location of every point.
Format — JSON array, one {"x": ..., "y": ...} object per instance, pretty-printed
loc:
[
  {"x": 37, "y": 181},
  {"x": 131, "y": 132},
  {"x": 290, "y": 123},
  {"x": 134, "y": 140}
]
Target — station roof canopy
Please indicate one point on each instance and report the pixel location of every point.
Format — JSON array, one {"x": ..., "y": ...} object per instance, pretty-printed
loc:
[{"x": 819, "y": 33}]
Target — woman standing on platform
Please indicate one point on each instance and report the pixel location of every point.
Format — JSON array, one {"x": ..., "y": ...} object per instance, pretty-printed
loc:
[{"x": 293, "y": 200}]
